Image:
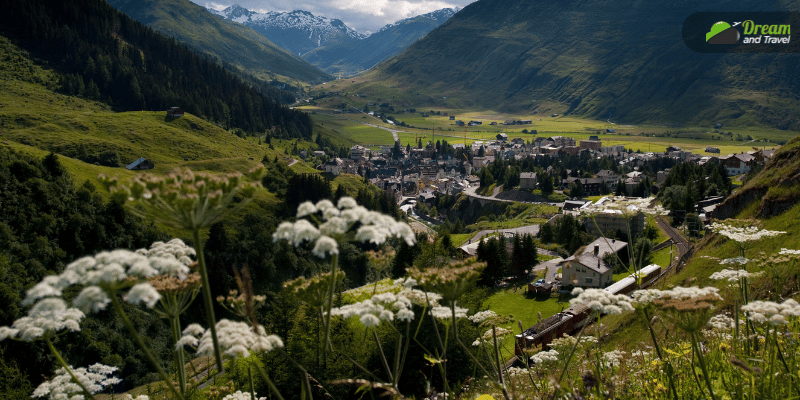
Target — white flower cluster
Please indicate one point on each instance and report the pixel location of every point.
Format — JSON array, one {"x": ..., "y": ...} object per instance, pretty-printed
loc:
[
  {"x": 544, "y": 357},
  {"x": 374, "y": 226},
  {"x": 789, "y": 252},
  {"x": 565, "y": 342},
  {"x": 111, "y": 268},
  {"x": 733, "y": 276},
  {"x": 48, "y": 315},
  {"x": 488, "y": 337},
  {"x": 743, "y": 234},
  {"x": 239, "y": 395},
  {"x": 517, "y": 372},
  {"x": 721, "y": 322},
  {"x": 645, "y": 296},
  {"x": 379, "y": 308},
  {"x": 771, "y": 312},
  {"x": 482, "y": 316},
  {"x": 602, "y": 301},
  {"x": 614, "y": 357},
  {"x": 735, "y": 260},
  {"x": 62, "y": 387},
  {"x": 236, "y": 339},
  {"x": 445, "y": 314},
  {"x": 642, "y": 354},
  {"x": 421, "y": 298}
]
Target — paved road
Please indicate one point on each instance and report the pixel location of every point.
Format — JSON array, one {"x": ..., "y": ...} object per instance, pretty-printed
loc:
[
  {"x": 551, "y": 268},
  {"x": 470, "y": 191},
  {"x": 390, "y": 130}
]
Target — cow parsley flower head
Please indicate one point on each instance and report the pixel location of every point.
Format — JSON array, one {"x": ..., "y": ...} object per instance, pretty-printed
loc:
[
  {"x": 482, "y": 316},
  {"x": 239, "y": 395},
  {"x": 237, "y": 339},
  {"x": 501, "y": 333},
  {"x": 789, "y": 252},
  {"x": 185, "y": 199},
  {"x": 733, "y": 276},
  {"x": 381, "y": 307},
  {"x": 544, "y": 357},
  {"x": 445, "y": 314},
  {"x": 306, "y": 208},
  {"x": 603, "y": 301},
  {"x": 325, "y": 246},
  {"x": 742, "y": 231},
  {"x": 47, "y": 315},
  {"x": 771, "y": 312},
  {"x": 143, "y": 293},
  {"x": 689, "y": 308},
  {"x": 61, "y": 387},
  {"x": 369, "y": 226},
  {"x": 450, "y": 281},
  {"x": 92, "y": 299}
]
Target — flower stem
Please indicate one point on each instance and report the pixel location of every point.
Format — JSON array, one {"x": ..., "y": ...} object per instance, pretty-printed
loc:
[
  {"x": 207, "y": 301},
  {"x": 668, "y": 366},
  {"x": 499, "y": 367},
  {"x": 702, "y": 362},
  {"x": 142, "y": 346},
  {"x": 176, "y": 334},
  {"x": 65, "y": 366},
  {"x": 250, "y": 376},
  {"x": 383, "y": 357},
  {"x": 329, "y": 305}
]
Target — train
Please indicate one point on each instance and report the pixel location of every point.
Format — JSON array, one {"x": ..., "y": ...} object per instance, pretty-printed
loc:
[{"x": 576, "y": 316}]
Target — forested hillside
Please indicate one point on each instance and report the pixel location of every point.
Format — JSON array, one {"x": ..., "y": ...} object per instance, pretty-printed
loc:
[{"x": 105, "y": 55}]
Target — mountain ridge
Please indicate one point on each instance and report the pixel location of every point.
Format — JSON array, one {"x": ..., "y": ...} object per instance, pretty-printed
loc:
[
  {"x": 597, "y": 59},
  {"x": 227, "y": 41},
  {"x": 330, "y": 44}
]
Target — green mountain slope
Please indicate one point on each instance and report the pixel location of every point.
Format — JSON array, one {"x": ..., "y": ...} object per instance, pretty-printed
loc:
[
  {"x": 228, "y": 41},
  {"x": 598, "y": 58}
]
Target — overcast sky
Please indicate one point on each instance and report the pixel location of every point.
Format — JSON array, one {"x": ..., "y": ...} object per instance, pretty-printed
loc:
[{"x": 361, "y": 15}]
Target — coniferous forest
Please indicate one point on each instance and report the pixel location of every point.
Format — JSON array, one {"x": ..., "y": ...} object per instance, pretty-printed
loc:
[{"x": 105, "y": 55}]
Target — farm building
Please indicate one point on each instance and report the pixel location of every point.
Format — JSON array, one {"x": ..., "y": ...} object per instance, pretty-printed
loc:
[
  {"x": 140, "y": 165},
  {"x": 175, "y": 112}
]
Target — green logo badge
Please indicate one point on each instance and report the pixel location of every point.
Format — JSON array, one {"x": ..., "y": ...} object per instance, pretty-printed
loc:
[{"x": 722, "y": 33}]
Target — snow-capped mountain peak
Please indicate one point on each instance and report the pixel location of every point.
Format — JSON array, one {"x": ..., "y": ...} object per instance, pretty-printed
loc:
[
  {"x": 298, "y": 31},
  {"x": 439, "y": 16}
]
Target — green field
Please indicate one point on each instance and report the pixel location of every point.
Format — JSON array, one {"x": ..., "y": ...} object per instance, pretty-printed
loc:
[{"x": 643, "y": 138}]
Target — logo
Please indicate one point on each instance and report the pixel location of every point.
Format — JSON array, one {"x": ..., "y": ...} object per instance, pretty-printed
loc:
[
  {"x": 722, "y": 33},
  {"x": 741, "y": 32}
]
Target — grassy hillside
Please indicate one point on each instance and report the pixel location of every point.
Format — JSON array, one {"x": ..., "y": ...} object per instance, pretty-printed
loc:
[
  {"x": 600, "y": 59},
  {"x": 225, "y": 40}
]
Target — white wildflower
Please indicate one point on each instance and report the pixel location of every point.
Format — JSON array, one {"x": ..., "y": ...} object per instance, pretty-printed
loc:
[
  {"x": 304, "y": 231},
  {"x": 143, "y": 293},
  {"x": 488, "y": 335},
  {"x": 306, "y": 208},
  {"x": 325, "y": 245},
  {"x": 788, "y": 252},
  {"x": 323, "y": 205},
  {"x": 544, "y": 357},
  {"x": 47, "y": 315},
  {"x": 603, "y": 301},
  {"x": 445, "y": 314},
  {"x": 736, "y": 260},
  {"x": 347, "y": 202},
  {"x": 239, "y": 395},
  {"x": 405, "y": 315},
  {"x": 187, "y": 340},
  {"x": 369, "y": 320},
  {"x": 95, "y": 378},
  {"x": 774, "y": 313},
  {"x": 237, "y": 339},
  {"x": 482, "y": 316},
  {"x": 743, "y": 234},
  {"x": 721, "y": 322},
  {"x": 91, "y": 299},
  {"x": 613, "y": 357},
  {"x": 194, "y": 330},
  {"x": 733, "y": 276},
  {"x": 40, "y": 290},
  {"x": 334, "y": 226},
  {"x": 421, "y": 298}
]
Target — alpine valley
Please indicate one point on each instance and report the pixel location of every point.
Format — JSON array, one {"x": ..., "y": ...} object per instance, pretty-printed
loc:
[{"x": 331, "y": 45}]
